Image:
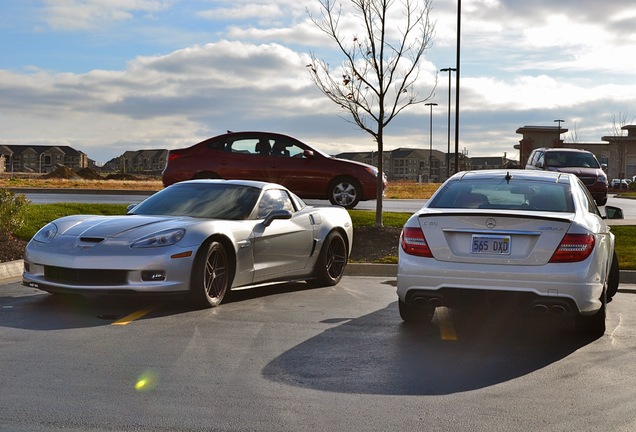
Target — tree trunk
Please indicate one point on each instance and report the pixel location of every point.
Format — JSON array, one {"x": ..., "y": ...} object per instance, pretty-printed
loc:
[{"x": 380, "y": 183}]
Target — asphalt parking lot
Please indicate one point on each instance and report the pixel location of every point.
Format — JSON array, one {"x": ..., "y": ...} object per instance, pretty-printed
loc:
[{"x": 289, "y": 358}]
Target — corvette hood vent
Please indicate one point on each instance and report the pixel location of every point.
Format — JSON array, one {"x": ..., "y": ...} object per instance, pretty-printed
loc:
[{"x": 92, "y": 239}]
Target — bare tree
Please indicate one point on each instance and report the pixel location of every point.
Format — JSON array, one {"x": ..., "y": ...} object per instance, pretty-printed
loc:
[
  {"x": 574, "y": 136},
  {"x": 378, "y": 75},
  {"x": 618, "y": 121}
]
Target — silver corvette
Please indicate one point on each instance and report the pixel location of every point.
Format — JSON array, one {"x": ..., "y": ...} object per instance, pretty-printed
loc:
[
  {"x": 199, "y": 238},
  {"x": 533, "y": 240}
]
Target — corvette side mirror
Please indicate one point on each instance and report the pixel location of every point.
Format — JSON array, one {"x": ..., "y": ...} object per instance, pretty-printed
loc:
[{"x": 276, "y": 214}]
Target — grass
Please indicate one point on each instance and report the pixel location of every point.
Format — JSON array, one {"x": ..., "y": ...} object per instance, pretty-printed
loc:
[
  {"x": 39, "y": 215},
  {"x": 56, "y": 183},
  {"x": 626, "y": 246},
  {"x": 367, "y": 218}
]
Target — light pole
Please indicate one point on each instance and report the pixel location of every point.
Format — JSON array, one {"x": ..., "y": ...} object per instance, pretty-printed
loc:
[
  {"x": 559, "y": 121},
  {"x": 430, "y": 141},
  {"x": 449, "y": 70},
  {"x": 457, "y": 63}
]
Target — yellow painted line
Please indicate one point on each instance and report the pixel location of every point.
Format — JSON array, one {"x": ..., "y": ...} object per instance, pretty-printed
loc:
[
  {"x": 135, "y": 315},
  {"x": 446, "y": 329}
]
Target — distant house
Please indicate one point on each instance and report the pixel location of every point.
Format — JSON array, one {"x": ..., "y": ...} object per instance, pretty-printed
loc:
[
  {"x": 413, "y": 163},
  {"x": 139, "y": 161},
  {"x": 484, "y": 163},
  {"x": 41, "y": 158}
]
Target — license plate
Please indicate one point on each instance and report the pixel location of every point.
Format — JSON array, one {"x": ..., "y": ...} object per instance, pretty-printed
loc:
[{"x": 493, "y": 245}]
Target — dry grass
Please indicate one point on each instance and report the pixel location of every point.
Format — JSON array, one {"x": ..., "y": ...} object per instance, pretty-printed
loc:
[
  {"x": 410, "y": 190},
  {"x": 395, "y": 190},
  {"x": 55, "y": 183}
]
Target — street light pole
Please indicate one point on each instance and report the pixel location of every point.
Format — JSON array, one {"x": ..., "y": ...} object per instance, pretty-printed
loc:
[
  {"x": 559, "y": 121},
  {"x": 430, "y": 141},
  {"x": 449, "y": 70},
  {"x": 457, "y": 63}
]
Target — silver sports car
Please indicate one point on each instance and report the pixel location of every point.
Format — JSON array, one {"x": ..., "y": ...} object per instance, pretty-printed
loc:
[
  {"x": 534, "y": 240},
  {"x": 200, "y": 238}
]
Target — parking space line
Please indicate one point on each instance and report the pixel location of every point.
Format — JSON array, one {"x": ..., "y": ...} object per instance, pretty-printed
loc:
[
  {"x": 446, "y": 329},
  {"x": 135, "y": 315}
]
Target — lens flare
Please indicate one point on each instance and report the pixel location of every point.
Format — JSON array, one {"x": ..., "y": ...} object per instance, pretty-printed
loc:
[{"x": 147, "y": 381}]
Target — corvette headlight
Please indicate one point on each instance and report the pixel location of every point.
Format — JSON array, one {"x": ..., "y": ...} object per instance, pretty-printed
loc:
[
  {"x": 163, "y": 238},
  {"x": 46, "y": 233}
]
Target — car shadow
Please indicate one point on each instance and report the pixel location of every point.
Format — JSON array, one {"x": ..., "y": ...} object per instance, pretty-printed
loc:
[
  {"x": 43, "y": 311},
  {"x": 366, "y": 356},
  {"x": 66, "y": 311}
]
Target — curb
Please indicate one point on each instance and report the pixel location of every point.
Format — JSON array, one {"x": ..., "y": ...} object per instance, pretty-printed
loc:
[{"x": 13, "y": 270}]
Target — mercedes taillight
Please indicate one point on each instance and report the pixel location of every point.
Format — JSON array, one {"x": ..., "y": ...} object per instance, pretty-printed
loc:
[
  {"x": 413, "y": 242},
  {"x": 574, "y": 248}
]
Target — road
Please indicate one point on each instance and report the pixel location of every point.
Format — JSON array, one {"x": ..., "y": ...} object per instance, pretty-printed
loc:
[{"x": 289, "y": 358}]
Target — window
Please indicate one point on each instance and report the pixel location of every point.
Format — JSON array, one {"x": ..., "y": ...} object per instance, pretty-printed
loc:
[
  {"x": 274, "y": 199},
  {"x": 523, "y": 195}
]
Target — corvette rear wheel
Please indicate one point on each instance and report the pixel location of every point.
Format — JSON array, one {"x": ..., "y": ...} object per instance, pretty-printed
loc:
[
  {"x": 210, "y": 275},
  {"x": 332, "y": 260}
]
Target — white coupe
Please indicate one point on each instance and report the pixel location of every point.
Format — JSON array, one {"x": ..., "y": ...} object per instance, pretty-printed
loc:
[{"x": 536, "y": 237}]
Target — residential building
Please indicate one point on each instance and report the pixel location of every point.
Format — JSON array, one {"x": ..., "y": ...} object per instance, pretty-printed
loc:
[
  {"x": 41, "y": 158},
  {"x": 139, "y": 161}
]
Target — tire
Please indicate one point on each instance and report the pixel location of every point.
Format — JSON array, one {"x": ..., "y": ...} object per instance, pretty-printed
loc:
[
  {"x": 345, "y": 192},
  {"x": 415, "y": 313},
  {"x": 613, "y": 278},
  {"x": 592, "y": 325},
  {"x": 210, "y": 275},
  {"x": 332, "y": 261}
]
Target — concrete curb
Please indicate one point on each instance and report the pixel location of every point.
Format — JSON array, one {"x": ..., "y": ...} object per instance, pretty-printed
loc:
[{"x": 13, "y": 270}]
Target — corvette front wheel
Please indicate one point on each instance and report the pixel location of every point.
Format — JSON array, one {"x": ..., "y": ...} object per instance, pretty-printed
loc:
[{"x": 210, "y": 275}]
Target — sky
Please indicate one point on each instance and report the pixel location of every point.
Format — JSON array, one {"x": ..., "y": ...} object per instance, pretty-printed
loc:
[{"x": 107, "y": 76}]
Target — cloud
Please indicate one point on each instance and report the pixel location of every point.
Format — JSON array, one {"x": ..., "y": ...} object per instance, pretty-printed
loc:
[
  {"x": 89, "y": 14},
  {"x": 243, "y": 12},
  {"x": 187, "y": 70}
]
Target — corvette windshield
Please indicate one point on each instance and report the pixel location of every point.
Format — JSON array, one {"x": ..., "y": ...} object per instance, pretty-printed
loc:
[{"x": 202, "y": 200}]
